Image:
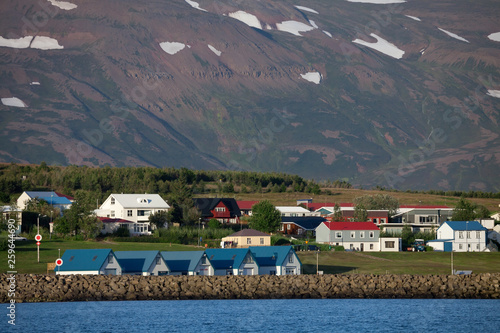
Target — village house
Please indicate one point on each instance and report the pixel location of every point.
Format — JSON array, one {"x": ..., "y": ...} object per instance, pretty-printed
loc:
[
  {"x": 225, "y": 210},
  {"x": 89, "y": 261},
  {"x": 277, "y": 260},
  {"x": 246, "y": 207},
  {"x": 232, "y": 261},
  {"x": 246, "y": 238},
  {"x": 460, "y": 236},
  {"x": 300, "y": 225},
  {"x": 142, "y": 263},
  {"x": 187, "y": 263},
  {"x": 419, "y": 218},
  {"x": 295, "y": 211},
  {"x": 56, "y": 200},
  {"x": 135, "y": 208},
  {"x": 355, "y": 236}
]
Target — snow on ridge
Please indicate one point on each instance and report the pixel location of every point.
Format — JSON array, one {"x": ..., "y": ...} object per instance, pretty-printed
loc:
[
  {"x": 494, "y": 93},
  {"x": 249, "y": 19},
  {"x": 35, "y": 83},
  {"x": 313, "y": 77},
  {"x": 451, "y": 34},
  {"x": 63, "y": 4},
  {"x": 45, "y": 43},
  {"x": 306, "y": 9},
  {"x": 195, "y": 5},
  {"x": 313, "y": 24},
  {"x": 382, "y": 46},
  {"x": 13, "y": 101},
  {"x": 413, "y": 18},
  {"x": 19, "y": 43},
  {"x": 172, "y": 47},
  {"x": 293, "y": 27},
  {"x": 495, "y": 36},
  {"x": 214, "y": 50},
  {"x": 327, "y": 33},
  {"x": 378, "y": 2}
]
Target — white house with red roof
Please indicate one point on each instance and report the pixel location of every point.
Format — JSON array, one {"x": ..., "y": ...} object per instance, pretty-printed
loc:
[
  {"x": 355, "y": 236},
  {"x": 246, "y": 207}
]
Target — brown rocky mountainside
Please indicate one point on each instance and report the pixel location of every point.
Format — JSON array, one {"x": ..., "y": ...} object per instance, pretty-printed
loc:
[{"x": 403, "y": 95}]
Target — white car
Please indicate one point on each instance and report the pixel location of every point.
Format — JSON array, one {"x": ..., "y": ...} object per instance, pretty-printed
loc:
[{"x": 19, "y": 238}]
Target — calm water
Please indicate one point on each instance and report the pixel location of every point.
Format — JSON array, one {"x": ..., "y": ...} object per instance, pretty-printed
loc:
[{"x": 259, "y": 316}]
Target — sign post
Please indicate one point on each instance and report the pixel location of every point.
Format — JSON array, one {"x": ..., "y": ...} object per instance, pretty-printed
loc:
[{"x": 38, "y": 238}]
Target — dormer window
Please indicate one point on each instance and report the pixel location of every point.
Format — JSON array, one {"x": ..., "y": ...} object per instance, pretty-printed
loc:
[
  {"x": 143, "y": 201},
  {"x": 112, "y": 200}
]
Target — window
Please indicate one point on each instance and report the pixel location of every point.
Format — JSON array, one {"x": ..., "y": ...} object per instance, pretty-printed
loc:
[
  {"x": 110, "y": 259},
  {"x": 362, "y": 234},
  {"x": 262, "y": 241},
  {"x": 112, "y": 200},
  {"x": 112, "y": 213},
  {"x": 290, "y": 259},
  {"x": 353, "y": 234},
  {"x": 460, "y": 246},
  {"x": 129, "y": 212},
  {"x": 389, "y": 245},
  {"x": 371, "y": 246},
  {"x": 220, "y": 209},
  {"x": 375, "y": 220},
  {"x": 478, "y": 235},
  {"x": 158, "y": 260},
  {"x": 382, "y": 220},
  {"x": 288, "y": 226},
  {"x": 461, "y": 234},
  {"x": 338, "y": 234},
  {"x": 468, "y": 234},
  {"x": 372, "y": 234},
  {"x": 477, "y": 246},
  {"x": 248, "y": 260},
  {"x": 249, "y": 241}
]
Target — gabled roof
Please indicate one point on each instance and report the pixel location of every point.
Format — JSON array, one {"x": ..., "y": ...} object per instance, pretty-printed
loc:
[
  {"x": 139, "y": 200},
  {"x": 136, "y": 261},
  {"x": 70, "y": 198},
  {"x": 271, "y": 255},
  {"x": 49, "y": 196},
  {"x": 206, "y": 205},
  {"x": 226, "y": 258},
  {"x": 305, "y": 222},
  {"x": 249, "y": 233},
  {"x": 84, "y": 260},
  {"x": 351, "y": 225},
  {"x": 182, "y": 261},
  {"x": 292, "y": 209},
  {"x": 246, "y": 205},
  {"x": 110, "y": 220},
  {"x": 465, "y": 225}
]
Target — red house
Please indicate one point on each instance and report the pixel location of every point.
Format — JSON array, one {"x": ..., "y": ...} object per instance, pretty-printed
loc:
[{"x": 225, "y": 210}]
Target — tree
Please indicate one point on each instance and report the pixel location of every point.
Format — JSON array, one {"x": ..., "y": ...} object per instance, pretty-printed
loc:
[
  {"x": 378, "y": 201},
  {"x": 265, "y": 217},
  {"x": 337, "y": 214},
  {"x": 360, "y": 213},
  {"x": 159, "y": 219},
  {"x": 407, "y": 236},
  {"x": 214, "y": 224},
  {"x": 464, "y": 210}
]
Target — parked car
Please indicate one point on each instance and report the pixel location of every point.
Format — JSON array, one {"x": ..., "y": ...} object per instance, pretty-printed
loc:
[{"x": 19, "y": 238}]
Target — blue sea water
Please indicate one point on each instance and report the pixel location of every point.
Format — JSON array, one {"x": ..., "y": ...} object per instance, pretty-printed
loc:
[{"x": 311, "y": 315}]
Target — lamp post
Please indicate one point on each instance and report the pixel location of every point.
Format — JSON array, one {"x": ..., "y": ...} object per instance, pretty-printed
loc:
[
  {"x": 38, "y": 233},
  {"x": 199, "y": 226}
]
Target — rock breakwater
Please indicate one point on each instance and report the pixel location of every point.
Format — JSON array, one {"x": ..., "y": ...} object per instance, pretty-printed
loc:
[{"x": 50, "y": 288}]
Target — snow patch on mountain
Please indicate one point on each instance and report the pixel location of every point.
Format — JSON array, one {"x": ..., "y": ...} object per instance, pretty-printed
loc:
[
  {"x": 313, "y": 24},
  {"x": 13, "y": 101},
  {"x": 327, "y": 33},
  {"x": 172, "y": 47},
  {"x": 306, "y": 9},
  {"x": 382, "y": 46},
  {"x": 495, "y": 36},
  {"x": 63, "y": 4},
  {"x": 214, "y": 50},
  {"x": 293, "y": 27},
  {"x": 451, "y": 34},
  {"x": 413, "y": 18},
  {"x": 19, "y": 43},
  {"x": 249, "y": 19},
  {"x": 494, "y": 93},
  {"x": 45, "y": 43},
  {"x": 313, "y": 77},
  {"x": 195, "y": 5}
]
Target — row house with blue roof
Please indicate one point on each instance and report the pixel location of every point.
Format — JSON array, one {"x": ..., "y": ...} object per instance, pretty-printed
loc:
[
  {"x": 142, "y": 263},
  {"x": 89, "y": 261}
]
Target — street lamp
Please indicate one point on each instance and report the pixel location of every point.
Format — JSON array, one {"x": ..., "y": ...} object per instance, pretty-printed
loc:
[{"x": 199, "y": 226}]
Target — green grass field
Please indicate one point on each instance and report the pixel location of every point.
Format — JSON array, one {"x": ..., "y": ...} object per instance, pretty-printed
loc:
[{"x": 329, "y": 262}]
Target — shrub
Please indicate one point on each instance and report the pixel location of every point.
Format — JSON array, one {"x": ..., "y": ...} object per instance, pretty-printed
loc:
[{"x": 122, "y": 232}]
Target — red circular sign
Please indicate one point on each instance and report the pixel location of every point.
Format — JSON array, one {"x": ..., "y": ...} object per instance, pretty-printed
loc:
[
  {"x": 38, "y": 237},
  {"x": 38, "y": 243},
  {"x": 59, "y": 262}
]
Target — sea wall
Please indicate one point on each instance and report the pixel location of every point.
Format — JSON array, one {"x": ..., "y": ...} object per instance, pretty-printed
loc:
[{"x": 51, "y": 288}]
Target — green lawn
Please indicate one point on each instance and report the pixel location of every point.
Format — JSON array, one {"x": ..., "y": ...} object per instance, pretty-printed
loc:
[
  {"x": 399, "y": 263},
  {"x": 26, "y": 252}
]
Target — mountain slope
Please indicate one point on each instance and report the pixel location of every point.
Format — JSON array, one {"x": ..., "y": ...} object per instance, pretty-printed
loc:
[{"x": 396, "y": 95}]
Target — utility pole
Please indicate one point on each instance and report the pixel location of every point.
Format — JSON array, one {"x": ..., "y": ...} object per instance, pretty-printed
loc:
[{"x": 317, "y": 262}]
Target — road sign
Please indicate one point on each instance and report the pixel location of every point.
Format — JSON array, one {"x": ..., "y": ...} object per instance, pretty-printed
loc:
[
  {"x": 59, "y": 262},
  {"x": 38, "y": 243},
  {"x": 38, "y": 237}
]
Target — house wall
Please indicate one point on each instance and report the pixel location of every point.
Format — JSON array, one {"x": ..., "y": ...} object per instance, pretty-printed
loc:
[
  {"x": 155, "y": 268},
  {"x": 323, "y": 234},
  {"x": 242, "y": 242},
  {"x": 21, "y": 201},
  {"x": 203, "y": 268},
  {"x": 291, "y": 265},
  {"x": 437, "y": 246},
  {"x": 247, "y": 269},
  {"x": 386, "y": 242},
  {"x": 111, "y": 265},
  {"x": 469, "y": 241}
]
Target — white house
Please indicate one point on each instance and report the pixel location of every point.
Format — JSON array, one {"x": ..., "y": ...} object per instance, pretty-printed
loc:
[
  {"x": 356, "y": 236},
  {"x": 390, "y": 244},
  {"x": 57, "y": 200},
  {"x": 142, "y": 263},
  {"x": 135, "y": 208},
  {"x": 295, "y": 211},
  {"x": 277, "y": 260},
  {"x": 460, "y": 236},
  {"x": 89, "y": 261},
  {"x": 232, "y": 261}
]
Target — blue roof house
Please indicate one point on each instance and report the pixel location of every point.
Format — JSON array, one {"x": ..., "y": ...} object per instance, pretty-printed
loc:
[
  {"x": 187, "y": 263},
  {"x": 89, "y": 261},
  {"x": 52, "y": 198},
  {"x": 460, "y": 236},
  {"x": 277, "y": 260},
  {"x": 233, "y": 261},
  {"x": 142, "y": 263}
]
